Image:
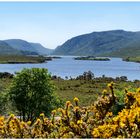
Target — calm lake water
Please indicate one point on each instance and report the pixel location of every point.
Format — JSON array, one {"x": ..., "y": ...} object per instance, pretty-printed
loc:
[{"x": 67, "y": 66}]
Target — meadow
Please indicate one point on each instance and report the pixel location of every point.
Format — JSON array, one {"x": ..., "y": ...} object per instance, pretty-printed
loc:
[{"x": 86, "y": 90}]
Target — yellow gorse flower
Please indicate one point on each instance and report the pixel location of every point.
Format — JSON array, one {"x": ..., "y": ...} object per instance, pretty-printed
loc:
[
  {"x": 138, "y": 90},
  {"x": 12, "y": 115},
  {"x": 79, "y": 122},
  {"x": 29, "y": 122},
  {"x": 76, "y": 99},
  {"x": 104, "y": 91},
  {"x": 54, "y": 112},
  {"x": 110, "y": 85},
  {"x": 42, "y": 115},
  {"x": 68, "y": 103}
]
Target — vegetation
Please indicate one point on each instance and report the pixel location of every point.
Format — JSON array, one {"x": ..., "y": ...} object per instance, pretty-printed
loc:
[
  {"x": 12, "y": 59},
  {"x": 30, "y": 91},
  {"x": 86, "y": 87},
  {"x": 132, "y": 59},
  {"x": 131, "y": 51},
  {"x": 73, "y": 121},
  {"x": 6, "y": 75},
  {"x": 92, "y": 58},
  {"x": 98, "y": 112}
]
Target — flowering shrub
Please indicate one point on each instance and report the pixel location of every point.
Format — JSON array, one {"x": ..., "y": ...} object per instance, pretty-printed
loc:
[{"x": 72, "y": 121}]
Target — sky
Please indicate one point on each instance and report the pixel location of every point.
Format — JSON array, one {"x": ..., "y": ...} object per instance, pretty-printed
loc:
[{"x": 53, "y": 23}]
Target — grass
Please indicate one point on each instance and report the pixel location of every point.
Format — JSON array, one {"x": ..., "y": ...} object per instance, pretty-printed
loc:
[
  {"x": 67, "y": 90},
  {"x": 21, "y": 59},
  {"x": 132, "y": 59},
  {"x": 88, "y": 91}
]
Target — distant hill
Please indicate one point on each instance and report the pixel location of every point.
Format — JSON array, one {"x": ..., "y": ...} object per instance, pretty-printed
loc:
[
  {"x": 107, "y": 43},
  {"x": 27, "y": 48},
  {"x": 21, "y": 45},
  {"x": 6, "y": 49},
  {"x": 40, "y": 49}
]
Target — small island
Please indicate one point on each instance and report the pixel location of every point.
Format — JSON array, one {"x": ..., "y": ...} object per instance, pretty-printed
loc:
[
  {"x": 22, "y": 59},
  {"x": 55, "y": 57},
  {"x": 92, "y": 58},
  {"x": 132, "y": 59}
]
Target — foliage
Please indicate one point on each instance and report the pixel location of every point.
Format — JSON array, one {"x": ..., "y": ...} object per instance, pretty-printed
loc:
[
  {"x": 5, "y": 81},
  {"x": 94, "y": 121},
  {"x": 32, "y": 92},
  {"x": 3, "y": 102},
  {"x": 86, "y": 76},
  {"x": 6, "y": 75}
]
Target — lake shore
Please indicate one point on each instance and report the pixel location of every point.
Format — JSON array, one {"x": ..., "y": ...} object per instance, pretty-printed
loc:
[
  {"x": 21, "y": 59},
  {"x": 67, "y": 66},
  {"x": 132, "y": 59}
]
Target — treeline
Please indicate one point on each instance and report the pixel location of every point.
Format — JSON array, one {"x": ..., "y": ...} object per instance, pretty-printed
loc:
[
  {"x": 90, "y": 76},
  {"x": 85, "y": 76}
]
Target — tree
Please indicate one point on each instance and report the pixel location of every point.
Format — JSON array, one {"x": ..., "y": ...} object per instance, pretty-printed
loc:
[
  {"x": 3, "y": 102},
  {"x": 86, "y": 76},
  {"x": 33, "y": 93}
]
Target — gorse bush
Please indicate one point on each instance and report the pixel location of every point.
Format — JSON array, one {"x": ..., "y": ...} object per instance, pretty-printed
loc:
[{"x": 72, "y": 121}]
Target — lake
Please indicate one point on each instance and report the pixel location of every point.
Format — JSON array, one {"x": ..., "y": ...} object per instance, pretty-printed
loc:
[{"x": 67, "y": 66}]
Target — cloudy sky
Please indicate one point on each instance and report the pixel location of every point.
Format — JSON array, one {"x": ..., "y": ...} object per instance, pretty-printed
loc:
[{"x": 52, "y": 23}]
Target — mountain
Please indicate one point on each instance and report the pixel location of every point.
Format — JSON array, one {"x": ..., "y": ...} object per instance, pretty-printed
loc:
[
  {"x": 6, "y": 49},
  {"x": 27, "y": 48},
  {"x": 106, "y": 43},
  {"x": 40, "y": 49},
  {"x": 21, "y": 45}
]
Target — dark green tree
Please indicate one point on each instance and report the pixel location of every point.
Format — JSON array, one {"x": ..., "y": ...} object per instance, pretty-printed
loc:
[
  {"x": 3, "y": 103},
  {"x": 33, "y": 93}
]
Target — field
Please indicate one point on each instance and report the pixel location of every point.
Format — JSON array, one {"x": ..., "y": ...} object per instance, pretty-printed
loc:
[{"x": 88, "y": 91}]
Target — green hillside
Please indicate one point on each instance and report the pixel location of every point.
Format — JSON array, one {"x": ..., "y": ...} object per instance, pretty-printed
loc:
[
  {"x": 129, "y": 51},
  {"x": 107, "y": 43},
  {"x": 27, "y": 48},
  {"x": 6, "y": 49},
  {"x": 22, "y": 45}
]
